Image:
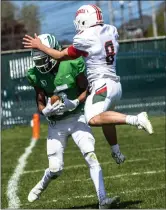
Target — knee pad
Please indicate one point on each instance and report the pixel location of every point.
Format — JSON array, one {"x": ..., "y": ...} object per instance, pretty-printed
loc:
[
  {"x": 91, "y": 159},
  {"x": 55, "y": 165}
]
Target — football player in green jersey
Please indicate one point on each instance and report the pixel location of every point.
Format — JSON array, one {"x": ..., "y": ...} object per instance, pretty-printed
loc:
[{"x": 66, "y": 79}]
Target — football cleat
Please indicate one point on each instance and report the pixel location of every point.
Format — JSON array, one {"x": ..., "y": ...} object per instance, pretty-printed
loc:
[
  {"x": 144, "y": 122},
  {"x": 107, "y": 203},
  {"x": 118, "y": 157},
  {"x": 35, "y": 192}
]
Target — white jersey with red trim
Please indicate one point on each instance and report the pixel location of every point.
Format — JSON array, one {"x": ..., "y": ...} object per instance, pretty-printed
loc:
[{"x": 101, "y": 45}]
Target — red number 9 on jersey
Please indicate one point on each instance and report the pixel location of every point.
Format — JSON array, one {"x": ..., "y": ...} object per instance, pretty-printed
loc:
[{"x": 109, "y": 49}]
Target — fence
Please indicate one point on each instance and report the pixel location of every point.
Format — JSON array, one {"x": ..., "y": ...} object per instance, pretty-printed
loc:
[{"x": 140, "y": 63}]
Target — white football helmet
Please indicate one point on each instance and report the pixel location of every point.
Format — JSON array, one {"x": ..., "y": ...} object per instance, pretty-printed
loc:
[
  {"x": 43, "y": 62},
  {"x": 87, "y": 16}
]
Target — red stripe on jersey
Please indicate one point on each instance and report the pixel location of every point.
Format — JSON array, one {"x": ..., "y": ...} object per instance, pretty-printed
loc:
[
  {"x": 98, "y": 12},
  {"x": 104, "y": 89},
  {"x": 75, "y": 53}
]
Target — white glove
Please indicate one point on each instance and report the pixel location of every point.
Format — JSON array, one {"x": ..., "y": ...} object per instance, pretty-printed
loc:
[
  {"x": 51, "y": 109},
  {"x": 70, "y": 105},
  {"x": 60, "y": 110}
]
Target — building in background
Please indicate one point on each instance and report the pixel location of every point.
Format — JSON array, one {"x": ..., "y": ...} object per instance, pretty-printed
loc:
[{"x": 135, "y": 28}]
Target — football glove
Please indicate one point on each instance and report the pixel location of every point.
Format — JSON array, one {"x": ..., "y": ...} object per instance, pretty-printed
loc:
[
  {"x": 60, "y": 110},
  {"x": 50, "y": 110},
  {"x": 70, "y": 105}
]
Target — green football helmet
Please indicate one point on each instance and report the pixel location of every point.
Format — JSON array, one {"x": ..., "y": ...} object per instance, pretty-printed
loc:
[{"x": 43, "y": 62}]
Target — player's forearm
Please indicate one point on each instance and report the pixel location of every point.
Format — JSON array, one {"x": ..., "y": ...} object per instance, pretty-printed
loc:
[
  {"x": 82, "y": 97},
  {"x": 58, "y": 55},
  {"x": 70, "y": 105},
  {"x": 40, "y": 108},
  {"x": 40, "y": 99}
]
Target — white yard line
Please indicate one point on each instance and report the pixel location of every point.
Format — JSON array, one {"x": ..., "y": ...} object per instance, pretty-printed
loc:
[
  {"x": 104, "y": 163},
  {"x": 116, "y": 176},
  {"x": 109, "y": 194},
  {"x": 154, "y": 149},
  {"x": 136, "y": 174},
  {"x": 121, "y": 146},
  {"x": 83, "y": 165},
  {"x": 122, "y": 192},
  {"x": 139, "y": 105},
  {"x": 12, "y": 188},
  {"x": 108, "y": 177}
]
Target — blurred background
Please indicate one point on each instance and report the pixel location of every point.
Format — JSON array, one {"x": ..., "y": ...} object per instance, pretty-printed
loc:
[
  {"x": 134, "y": 19},
  {"x": 140, "y": 62}
]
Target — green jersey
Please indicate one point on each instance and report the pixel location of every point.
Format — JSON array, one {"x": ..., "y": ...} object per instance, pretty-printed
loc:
[{"x": 63, "y": 81}]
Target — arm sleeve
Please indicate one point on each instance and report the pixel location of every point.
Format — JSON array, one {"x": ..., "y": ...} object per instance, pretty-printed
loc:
[
  {"x": 82, "y": 45},
  {"x": 75, "y": 53},
  {"x": 115, "y": 32}
]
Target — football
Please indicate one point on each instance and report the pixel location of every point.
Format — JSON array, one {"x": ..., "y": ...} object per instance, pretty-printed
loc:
[{"x": 56, "y": 99}]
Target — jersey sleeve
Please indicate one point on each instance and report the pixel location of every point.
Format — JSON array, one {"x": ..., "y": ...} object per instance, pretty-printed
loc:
[
  {"x": 31, "y": 77},
  {"x": 83, "y": 42},
  {"x": 80, "y": 43},
  {"x": 79, "y": 66},
  {"x": 75, "y": 53},
  {"x": 115, "y": 32}
]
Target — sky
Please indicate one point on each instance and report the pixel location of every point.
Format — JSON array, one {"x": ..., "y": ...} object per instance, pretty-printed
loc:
[{"x": 57, "y": 16}]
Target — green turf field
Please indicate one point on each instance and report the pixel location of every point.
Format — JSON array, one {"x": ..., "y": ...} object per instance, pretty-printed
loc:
[{"x": 140, "y": 181}]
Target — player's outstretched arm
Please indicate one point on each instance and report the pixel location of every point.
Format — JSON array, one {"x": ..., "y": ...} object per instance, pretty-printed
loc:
[{"x": 30, "y": 42}]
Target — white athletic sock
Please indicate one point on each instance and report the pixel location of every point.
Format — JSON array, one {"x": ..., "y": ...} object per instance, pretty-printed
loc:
[
  {"x": 48, "y": 176},
  {"x": 132, "y": 119},
  {"x": 97, "y": 177},
  {"x": 115, "y": 148}
]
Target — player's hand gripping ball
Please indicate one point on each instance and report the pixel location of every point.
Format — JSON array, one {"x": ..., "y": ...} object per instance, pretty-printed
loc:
[{"x": 56, "y": 99}]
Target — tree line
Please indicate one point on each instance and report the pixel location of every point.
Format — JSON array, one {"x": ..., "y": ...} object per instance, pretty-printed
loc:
[{"x": 15, "y": 22}]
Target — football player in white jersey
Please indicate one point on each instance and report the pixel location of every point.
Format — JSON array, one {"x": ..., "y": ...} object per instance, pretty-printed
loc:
[{"x": 97, "y": 43}]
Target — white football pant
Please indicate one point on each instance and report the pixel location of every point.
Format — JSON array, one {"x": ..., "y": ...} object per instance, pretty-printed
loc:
[
  {"x": 58, "y": 136},
  {"x": 105, "y": 94}
]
